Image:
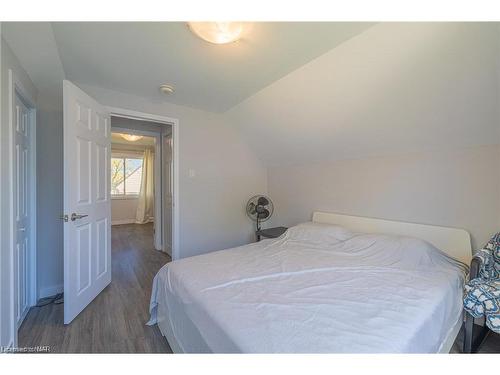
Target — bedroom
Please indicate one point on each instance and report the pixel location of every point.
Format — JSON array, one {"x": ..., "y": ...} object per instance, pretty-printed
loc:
[{"x": 347, "y": 131}]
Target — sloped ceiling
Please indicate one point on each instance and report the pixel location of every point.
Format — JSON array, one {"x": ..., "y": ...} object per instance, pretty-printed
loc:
[
  {"x": 395, "y": 88},
  {"x": 137, "y": 57}
]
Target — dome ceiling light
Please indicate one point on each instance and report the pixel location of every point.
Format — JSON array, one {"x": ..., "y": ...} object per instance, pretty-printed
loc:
[
  {"x": 166, "y": 89},
  {"x": 131, "y": 137},
  {"x": 217, "y": 32}
]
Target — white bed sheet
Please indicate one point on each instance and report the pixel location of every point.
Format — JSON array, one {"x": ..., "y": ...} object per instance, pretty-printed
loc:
[{"x": 311, "y": 292}]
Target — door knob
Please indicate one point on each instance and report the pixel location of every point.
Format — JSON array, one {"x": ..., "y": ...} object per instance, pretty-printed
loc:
[{"x": 77, "y": 216}]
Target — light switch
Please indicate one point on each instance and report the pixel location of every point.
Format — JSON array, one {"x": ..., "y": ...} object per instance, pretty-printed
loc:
[{"x": 192, "y": 173}]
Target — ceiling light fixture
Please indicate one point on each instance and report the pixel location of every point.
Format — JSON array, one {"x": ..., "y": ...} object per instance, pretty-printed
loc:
[
  {"x": 131, "y": 137},
  {"x": 166, "y": 89},
  {"x": 217, "y": 32}
]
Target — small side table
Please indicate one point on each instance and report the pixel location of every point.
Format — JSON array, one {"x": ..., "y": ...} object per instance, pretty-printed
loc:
[{"x": 270, "y": 232}]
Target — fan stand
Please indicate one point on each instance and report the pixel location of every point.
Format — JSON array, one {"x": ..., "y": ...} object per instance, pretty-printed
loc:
[{"x": 258, "y": 223}]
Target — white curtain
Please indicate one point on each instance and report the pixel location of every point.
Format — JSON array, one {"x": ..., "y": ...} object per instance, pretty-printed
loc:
[{"x": 145, "y": 203}]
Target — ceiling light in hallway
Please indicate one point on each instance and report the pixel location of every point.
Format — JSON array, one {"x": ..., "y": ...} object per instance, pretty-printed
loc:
[{"x": 131, "y": 137}]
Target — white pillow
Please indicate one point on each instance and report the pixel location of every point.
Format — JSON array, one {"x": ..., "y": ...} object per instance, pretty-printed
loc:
[
  {"x": 398, "y": 251},
  {"x": 316, "y": 232}
]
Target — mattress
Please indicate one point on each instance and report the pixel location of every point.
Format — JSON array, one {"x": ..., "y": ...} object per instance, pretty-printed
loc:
[{"x": 317, "y": 289}]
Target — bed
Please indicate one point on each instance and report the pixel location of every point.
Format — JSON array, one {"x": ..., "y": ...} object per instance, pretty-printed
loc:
[{"x": 337, "y": 284}]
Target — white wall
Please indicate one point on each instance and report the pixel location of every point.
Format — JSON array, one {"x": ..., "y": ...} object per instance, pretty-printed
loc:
[
  {"x": 123, "y": 211},
  {"x": 8, "y": 61},
  {"x": 449, "y": 188},
  {"x": 339, "y": 132}
]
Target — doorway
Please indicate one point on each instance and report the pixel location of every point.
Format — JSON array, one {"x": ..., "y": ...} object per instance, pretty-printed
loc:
[
  {"x": 87, "y": 192},
  {"x": 141, "y": 177}
]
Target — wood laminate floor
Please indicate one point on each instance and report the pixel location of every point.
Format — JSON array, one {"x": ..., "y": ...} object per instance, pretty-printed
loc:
[
  {"x": 115, "y": 322},
  {"x": 490, "y": 345}
]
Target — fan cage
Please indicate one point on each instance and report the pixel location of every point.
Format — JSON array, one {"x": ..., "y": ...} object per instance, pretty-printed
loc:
[{"x": 251, "y": 209}]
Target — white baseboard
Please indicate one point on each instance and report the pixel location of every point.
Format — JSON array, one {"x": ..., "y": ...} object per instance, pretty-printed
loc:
[
  {"x": 124, "y": 221},
  {"x": 127, "y": 221},
  {"x": 50, "y": 291}
]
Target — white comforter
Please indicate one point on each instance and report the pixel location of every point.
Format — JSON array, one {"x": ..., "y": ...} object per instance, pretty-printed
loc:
[{"x": 318, "y": 288}]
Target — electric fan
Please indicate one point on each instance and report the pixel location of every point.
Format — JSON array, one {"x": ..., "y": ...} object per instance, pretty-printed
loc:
[{"x": 259, "y": 208}]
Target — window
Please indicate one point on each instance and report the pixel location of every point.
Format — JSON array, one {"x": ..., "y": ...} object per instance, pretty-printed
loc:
[{"x": 126, "y": 176}]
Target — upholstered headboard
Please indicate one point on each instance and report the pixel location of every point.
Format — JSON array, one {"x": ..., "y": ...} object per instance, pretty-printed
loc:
[{"x": 454, "y": 242}]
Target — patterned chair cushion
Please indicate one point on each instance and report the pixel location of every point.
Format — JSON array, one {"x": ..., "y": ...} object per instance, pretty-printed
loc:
[{"x": 482, "y": 294}]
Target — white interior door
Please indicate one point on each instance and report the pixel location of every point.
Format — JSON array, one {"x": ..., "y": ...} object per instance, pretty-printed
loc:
[
  {"x": 87, "y": 204},
  {"x": 167, "y": 192},
  {"x": 22, "y": 206}
]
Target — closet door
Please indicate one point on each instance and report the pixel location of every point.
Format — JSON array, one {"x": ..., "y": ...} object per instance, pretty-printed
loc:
[{"x": 21, "y": 205}]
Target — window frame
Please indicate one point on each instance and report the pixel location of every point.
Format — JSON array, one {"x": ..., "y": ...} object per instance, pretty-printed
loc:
[{"x": 124, "y": 156}]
